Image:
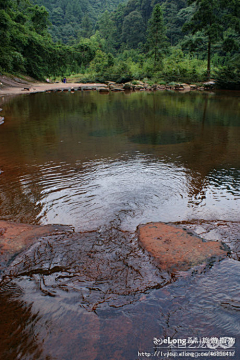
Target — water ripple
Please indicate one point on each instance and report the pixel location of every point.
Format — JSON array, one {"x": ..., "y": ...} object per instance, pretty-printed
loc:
[{"x": 96, "y": 192}]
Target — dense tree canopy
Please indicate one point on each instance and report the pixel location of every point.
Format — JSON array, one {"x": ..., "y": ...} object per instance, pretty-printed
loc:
[
  {"x": 207, "y": 19},
  {"x": 27, "y": 47},
  {"x": 165, "y": 40},
  {"x": 156, "y": 34}
]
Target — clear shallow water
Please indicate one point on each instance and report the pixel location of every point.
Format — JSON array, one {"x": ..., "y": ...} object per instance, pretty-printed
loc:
[{"x": 109, "y": 163}]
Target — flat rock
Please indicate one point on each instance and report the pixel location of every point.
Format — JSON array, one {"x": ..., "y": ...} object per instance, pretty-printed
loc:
[
  {"x": 103, "y": 90},
  {"x": 116, "y": 89},
  {"x": 14, "y": 238},
  {"x": 175, "y": 249}
]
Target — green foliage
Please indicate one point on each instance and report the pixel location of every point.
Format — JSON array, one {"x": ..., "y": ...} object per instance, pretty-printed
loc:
[
  {"x": 133, "y": 30},
  {"x": 209, "y": 23},
  {"x": 75, "y": 18},
  {"x": 228, "y": 77},
  {"x": 86, "y": 30},
  {"x": 122, "y": 40},
  {"x": 182, "y": 68},
  {"x": 175, "y": 15},
  {"x": 107, "y": 31},
  {"x": 156, "y": 36},
  {"x": 27, "y": 47},
  {"x": 39, "y": 18},
  {"x": 103, "y": 68}
]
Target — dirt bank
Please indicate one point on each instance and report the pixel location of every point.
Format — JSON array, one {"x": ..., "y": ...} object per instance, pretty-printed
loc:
[{"x": 15, "y": 86}]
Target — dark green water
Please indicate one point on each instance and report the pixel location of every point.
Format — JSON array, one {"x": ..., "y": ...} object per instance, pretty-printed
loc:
[{"x": 107, "y": 163}]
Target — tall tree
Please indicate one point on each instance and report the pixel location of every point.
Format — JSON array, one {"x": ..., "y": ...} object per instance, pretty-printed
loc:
[
  {"x": 133, "y": 30},
  {"x": 146, "y": 10},
  {"x": 86, "y": 27},
  {"x": 233, "y": 14},
  {"x": 207, "y": 18},
  {"x": 156, "y": 35},
  {"x": 107, "y": 30}
]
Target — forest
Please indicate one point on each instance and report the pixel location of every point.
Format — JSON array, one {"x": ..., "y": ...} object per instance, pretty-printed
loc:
[{"x": 159, "y": 41}]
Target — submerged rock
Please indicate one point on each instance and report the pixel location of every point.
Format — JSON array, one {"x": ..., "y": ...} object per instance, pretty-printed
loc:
[
  {"x": 175, "y": 249},
  {"x": 103, "y": 90},
  {"x": 15, "y": 238},
  {"x": 104, "y": 268}
]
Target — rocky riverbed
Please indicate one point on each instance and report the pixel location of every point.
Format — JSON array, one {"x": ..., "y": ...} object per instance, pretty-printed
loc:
[{"x": 111, "y": 267}]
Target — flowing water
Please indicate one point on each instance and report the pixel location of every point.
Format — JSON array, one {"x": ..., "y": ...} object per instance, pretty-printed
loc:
[{"x": 105, "y": 164}]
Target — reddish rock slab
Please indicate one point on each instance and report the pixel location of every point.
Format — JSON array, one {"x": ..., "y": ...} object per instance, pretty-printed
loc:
[
  {"x": 15, "y": 237},
  {"x": 175, "y": 249}
]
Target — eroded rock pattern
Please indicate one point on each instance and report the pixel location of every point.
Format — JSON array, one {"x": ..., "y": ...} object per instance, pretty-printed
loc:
[
  {"x": 217, "y": 230},
  {"x": 173, "y": 248},
  {"x": 16, "y": 237},
  {"x": 105, "y": 268}
]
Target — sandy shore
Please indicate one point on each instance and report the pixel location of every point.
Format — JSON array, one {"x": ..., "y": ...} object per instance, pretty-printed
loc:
[{"x": 43, "y": 87}]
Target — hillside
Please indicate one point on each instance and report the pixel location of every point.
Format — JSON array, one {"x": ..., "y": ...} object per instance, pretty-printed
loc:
[
  {"x": 120, "y": 40},
  {"x": 73, "y": 19}
]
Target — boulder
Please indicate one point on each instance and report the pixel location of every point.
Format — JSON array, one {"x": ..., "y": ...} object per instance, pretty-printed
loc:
[
  {"x": 193, "y": 87},
  {"x": 178, "y": 87},
  {"x": 209, "y": 85},
  {"x": 154, "y": 87},
  {"x": 162, "y": 87},
  {"x": 117, "y": 89},
  {"x": 110, "y": 83},
  {"x": 185, "y": 87},
  {"x": 139, "y": 87},
  {"x": 174, "y": 249},
  {"x": 103, "y": 90},
  {"x": 128, "y": 86}
]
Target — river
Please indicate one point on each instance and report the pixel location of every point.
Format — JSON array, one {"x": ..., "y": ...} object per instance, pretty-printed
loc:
[{"x": 103, "y": 164}]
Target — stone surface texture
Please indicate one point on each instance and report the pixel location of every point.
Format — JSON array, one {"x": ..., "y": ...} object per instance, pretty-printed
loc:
[
  {"x": 14, "y": 238},
  {"x": 174, "y": 248}
]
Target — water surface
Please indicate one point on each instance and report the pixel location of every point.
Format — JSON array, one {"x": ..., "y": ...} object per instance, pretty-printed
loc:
[
  {"x": 84, "y": 159},
  {"x": 105, "y": 164}
]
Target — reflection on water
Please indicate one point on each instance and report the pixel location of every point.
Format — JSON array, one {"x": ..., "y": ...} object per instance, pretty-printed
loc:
[
  {"x": 17, "y": 320},
  {"x": 105, "y": 164},
  {"x": 84, "y": 159},
  {"x": 162, "y": 138}
]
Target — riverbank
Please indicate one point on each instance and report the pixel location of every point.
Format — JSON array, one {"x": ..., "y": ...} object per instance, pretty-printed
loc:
[{"x": 16, "y": 86}]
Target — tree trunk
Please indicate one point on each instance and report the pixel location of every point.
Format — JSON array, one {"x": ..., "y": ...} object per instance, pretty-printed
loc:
[{"x": 209, "y": 59}]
